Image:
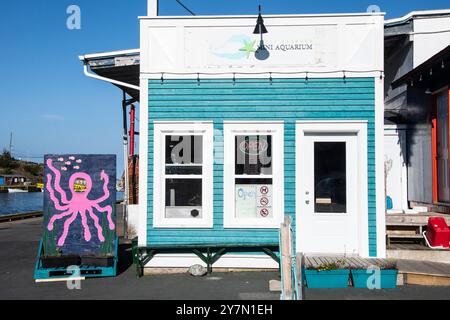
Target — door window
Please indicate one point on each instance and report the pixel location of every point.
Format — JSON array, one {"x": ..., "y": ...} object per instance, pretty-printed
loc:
[{"x": 330, "y": 192}]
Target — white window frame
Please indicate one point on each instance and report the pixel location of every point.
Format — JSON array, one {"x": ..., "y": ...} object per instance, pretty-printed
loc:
[
  {"x": 162, "y": 129},
  {"x": 276, "y": 129}
]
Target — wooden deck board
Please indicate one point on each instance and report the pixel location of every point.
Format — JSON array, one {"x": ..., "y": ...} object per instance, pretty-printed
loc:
[
  {"x": 412, "y": 246},
  {"x": 415, "y": 272},
  {"x": 424, "y": 267},
  {"x": 350, "y": 262}
]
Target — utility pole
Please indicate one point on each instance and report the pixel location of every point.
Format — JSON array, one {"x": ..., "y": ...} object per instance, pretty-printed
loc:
[{"x": 10, "y": 144}]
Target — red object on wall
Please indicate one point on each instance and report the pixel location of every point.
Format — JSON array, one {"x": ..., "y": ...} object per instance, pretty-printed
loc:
[
  {"x": 438, "y": 233},
  {"x": 132, "y": 130}
]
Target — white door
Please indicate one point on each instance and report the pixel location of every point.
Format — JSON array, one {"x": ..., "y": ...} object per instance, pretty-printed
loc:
[
  {"x": 395, "y": 168},
  {"x": 327, "y": 193}
]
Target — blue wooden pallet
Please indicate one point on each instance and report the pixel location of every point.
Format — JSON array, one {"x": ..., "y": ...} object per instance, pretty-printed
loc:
[{"x": 85, "y": 271}]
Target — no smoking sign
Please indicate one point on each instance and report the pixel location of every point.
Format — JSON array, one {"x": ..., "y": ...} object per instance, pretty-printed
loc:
[
  {"x": 264, "y": 201},
  {"x": 264, "y": 212},
  {"x": 264, "y": 189}
]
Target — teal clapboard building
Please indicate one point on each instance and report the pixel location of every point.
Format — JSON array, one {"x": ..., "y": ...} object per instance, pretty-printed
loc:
[{"x": 312, "y": 129}]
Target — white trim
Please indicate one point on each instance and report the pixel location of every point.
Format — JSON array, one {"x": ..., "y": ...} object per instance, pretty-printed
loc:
[
  {"x": 143, "y": 163},
  {"x": 152, "y": 8},
  {"x": 327, "y": 122},
  {"x": 253, "y": 122},
  {"x": 412, "y": 14},
  {"x": 329, "y": 126},
  {"x": 379, "y": 168},
  {"x": 395, "y": 127},
  {"x": 97, "y": 77},
  {"x": 276, "y": 129},
  {"x": 161, "y": 129},
  {"x": 244, "y": 261},
  {"x": 181, "y": 122},
  {"x": 326, "y": 15},
  {"x": 110, "y": 54},
  {"x": 260, "y": 74}
]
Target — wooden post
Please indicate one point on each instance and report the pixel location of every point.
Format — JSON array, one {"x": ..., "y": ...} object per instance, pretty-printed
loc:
[
  {"x": 286, "y": 263},
  {"x": 301, "y": 287}
]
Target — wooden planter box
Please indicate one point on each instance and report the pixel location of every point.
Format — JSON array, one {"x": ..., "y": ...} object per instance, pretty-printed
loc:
[
  {"x": 329, "y": 279},
  {"x": 97, "y": 261},
  {"x": 388, "y": 279},
  {"x": 60, "y": 262}
]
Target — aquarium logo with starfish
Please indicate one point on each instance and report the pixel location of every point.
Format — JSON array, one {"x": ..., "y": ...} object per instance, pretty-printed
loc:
[{"x": 237, "y": 47}]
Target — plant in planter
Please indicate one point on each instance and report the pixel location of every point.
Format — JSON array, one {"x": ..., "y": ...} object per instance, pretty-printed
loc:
[
  {"x": 328, "y": 275},
  {"x": 380, "y": 276}
]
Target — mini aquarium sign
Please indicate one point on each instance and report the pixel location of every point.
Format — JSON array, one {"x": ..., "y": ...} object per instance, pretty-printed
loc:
[{"x": 79, "y": 205}]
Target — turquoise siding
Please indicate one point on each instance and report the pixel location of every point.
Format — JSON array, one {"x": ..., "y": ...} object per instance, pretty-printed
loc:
[{"x": 259, "y": 99}]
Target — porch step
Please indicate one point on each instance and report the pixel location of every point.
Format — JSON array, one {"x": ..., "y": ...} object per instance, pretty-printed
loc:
[
  {"x": 404, "y": 231},
  {"x": 424, "y": 273},
  {"x": 418, "y": 252},
  {"x": 418, "y": 218}
]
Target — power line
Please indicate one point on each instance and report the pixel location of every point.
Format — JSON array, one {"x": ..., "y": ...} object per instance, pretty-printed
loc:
[{"x": 186, "y": 8}]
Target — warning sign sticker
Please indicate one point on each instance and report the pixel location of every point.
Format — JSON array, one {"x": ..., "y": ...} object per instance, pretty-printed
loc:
[
  {"x": 264, "y": 201},
  {"x": 264, "y": 212}
]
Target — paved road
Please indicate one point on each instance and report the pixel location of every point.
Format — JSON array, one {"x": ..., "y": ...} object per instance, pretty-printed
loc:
[
  {"x": 18, "y": 248},
  {"x": 19, "y": 243}
]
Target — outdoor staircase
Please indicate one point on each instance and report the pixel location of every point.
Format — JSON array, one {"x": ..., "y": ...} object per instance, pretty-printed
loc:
[{"x": 405, "y": 240}]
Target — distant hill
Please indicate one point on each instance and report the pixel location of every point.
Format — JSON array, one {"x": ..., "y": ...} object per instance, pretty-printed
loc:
[{"x": 34, "y": 172}]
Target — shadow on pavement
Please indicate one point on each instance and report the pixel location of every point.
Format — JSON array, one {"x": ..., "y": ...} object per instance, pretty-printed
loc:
[{"x": 125, "y": 258}]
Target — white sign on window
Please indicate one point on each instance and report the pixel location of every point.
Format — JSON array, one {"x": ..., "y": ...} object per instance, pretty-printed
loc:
[{"x": 253, "y": 201}]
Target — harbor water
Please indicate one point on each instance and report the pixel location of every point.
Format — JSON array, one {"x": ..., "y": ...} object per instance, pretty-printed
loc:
[{"x": 12, "y": 203}]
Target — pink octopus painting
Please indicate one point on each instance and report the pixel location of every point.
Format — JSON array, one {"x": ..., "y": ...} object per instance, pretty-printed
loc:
[{"x": 79, "y": 205}]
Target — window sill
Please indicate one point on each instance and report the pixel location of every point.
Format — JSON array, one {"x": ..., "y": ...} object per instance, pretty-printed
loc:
[
  {"x": 183, "y": 225},
  {"x": 251, "y": 225}
]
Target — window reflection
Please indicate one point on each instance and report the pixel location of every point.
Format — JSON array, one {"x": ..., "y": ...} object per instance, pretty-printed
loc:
[
  {"x": 253, "y": 155},
  {"x": 330, "y": 191}
]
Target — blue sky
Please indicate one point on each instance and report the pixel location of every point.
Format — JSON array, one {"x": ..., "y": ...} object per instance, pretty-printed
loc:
[{"x": 47, "y": 102}]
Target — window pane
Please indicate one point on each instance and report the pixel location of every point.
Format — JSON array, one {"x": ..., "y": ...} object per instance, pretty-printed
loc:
[
  {"x": 183, "y": 198},
  {"x": 184, "y": 149},
  {"x": 330, "y": 192},
  {"x": 253, "y": 154},
  {"x": 253, "y": 198}
]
